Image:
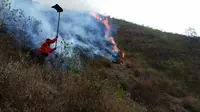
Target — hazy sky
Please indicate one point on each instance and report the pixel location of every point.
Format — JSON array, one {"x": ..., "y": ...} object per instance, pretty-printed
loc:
[{"x": 167, "y": 15}]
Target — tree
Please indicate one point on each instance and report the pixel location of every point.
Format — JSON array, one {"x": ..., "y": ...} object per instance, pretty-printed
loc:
[{"x": 191, "y": 32}]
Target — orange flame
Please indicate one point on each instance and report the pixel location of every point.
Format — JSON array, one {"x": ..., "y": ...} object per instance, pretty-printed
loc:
[
  {"x": 123, "y": 55},
  {"x": 121, "y": 62},
  {"x": 107, "y": 33}
]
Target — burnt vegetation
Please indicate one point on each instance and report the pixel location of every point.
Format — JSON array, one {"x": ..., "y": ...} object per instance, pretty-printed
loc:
[{"x": 161, "y": 73}]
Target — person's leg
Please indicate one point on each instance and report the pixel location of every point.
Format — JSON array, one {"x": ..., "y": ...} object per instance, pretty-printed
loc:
[{"x": 42, "y": 58}]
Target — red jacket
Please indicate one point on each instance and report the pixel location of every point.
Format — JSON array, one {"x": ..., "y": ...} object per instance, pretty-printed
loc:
[{"x": 45, "y": 47}]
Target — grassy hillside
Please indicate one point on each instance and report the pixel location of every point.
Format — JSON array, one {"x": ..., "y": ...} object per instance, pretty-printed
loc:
[
  {"x": 176, "y": 56},
  {"x": 161, "y": 74}
]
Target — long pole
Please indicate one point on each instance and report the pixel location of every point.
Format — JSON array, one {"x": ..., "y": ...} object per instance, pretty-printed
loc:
[{"x": 58, "y": 27}]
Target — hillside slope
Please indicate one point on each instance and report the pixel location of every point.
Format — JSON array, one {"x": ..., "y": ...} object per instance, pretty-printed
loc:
[
  {"x": 160, "y": 74},
  {"x": 177, "y": 56}
]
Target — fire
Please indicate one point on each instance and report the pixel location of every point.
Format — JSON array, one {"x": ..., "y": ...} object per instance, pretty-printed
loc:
[
  {"x": 104, "y": 21},
  {"x": 120, "y": 62},
  {"x": 107, "y": 33},
  {"x": 123, "y": 55}
]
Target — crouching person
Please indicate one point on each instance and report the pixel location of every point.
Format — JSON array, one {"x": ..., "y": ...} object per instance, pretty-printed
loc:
[{"x": 45, "y": 50}]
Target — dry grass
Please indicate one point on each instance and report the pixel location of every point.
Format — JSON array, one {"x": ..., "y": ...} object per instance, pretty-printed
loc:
[
  {"x": 163, "y": 95},
  {"x": 190, "y": 103},
  {"x": 147, "y": 86},
  {"x": 26, "y": 87}
]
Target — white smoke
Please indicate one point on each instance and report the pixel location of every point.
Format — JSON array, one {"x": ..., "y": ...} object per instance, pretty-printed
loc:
[
  {"x": 78, "y": 5},
  {"x": 76, "y": 27}
]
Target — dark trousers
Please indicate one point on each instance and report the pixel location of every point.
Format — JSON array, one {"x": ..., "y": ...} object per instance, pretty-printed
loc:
[{"x": 41, "y": 58}]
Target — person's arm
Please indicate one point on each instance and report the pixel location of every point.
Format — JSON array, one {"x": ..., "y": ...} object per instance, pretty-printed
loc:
[
  {"x": 52, "y": 50},
  {"x": 52, "y": 41}
]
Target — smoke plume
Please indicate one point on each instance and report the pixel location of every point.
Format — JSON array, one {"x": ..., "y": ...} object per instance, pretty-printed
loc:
[
  {"x": 78, "y": 29},
  {"x": 78, "y": 5}
]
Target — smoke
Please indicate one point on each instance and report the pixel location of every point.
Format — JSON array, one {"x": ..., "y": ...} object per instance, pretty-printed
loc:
[
  {"x": 78, "y": 29},
  {"x": 78, "y": 5}
]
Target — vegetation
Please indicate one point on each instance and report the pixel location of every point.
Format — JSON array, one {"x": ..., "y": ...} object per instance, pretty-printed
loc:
[
  {"x": 29, "y": 87},
  {"x": 191, "y": 32},
  {"x": 161, "y": 74}
]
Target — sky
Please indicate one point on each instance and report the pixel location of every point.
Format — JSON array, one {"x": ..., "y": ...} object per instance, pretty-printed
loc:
[{"x": 166, "y": 15}]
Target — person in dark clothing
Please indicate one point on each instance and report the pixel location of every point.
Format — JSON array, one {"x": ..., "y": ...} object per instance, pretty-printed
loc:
[{"x": 45, "y": 49}]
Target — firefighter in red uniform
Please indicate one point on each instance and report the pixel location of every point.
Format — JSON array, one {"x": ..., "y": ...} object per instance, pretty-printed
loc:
[{"x": 45, "y": 49}]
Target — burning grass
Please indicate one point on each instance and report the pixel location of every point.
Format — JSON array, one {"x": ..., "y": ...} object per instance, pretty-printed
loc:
[
  {"x": 28, "y": 87},
  {"x": 109, "y": 37},
  {"x": 136, "y": 86}
]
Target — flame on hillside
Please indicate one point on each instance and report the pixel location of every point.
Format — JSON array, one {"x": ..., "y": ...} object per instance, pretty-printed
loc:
[{"x": 107, "y": 33}]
